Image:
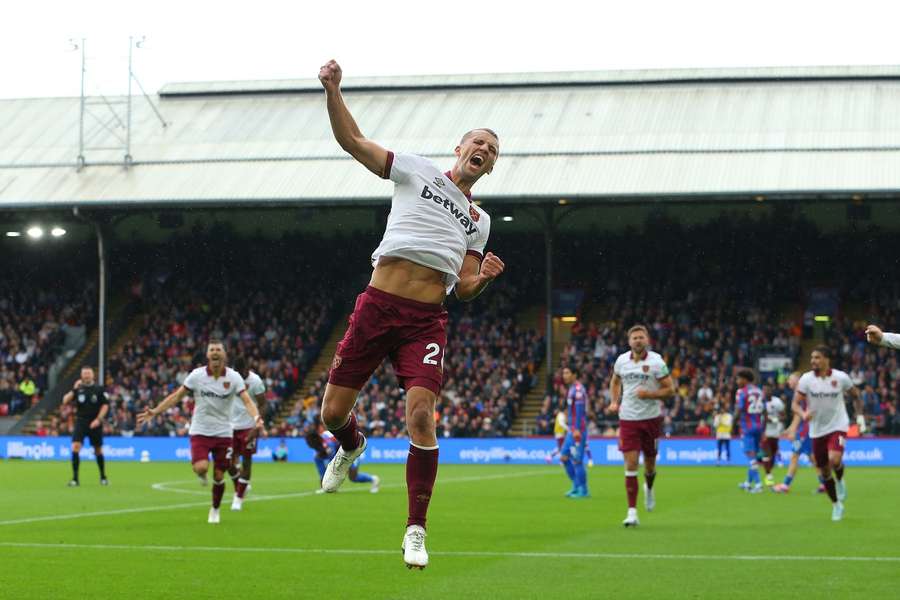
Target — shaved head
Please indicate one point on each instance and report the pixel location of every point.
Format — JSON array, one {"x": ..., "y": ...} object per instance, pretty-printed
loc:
[{"x": 472, "y": 132}]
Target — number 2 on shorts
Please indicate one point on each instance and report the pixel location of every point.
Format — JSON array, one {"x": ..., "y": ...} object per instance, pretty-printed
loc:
[{"x": 435, "y": 349}]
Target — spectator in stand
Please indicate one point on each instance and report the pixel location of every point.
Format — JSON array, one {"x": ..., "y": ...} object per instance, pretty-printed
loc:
[{"x": 703, "y": 429}]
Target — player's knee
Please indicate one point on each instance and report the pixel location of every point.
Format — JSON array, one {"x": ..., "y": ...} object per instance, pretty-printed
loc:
[
  {"x": 333, "y": 418},
  {"x": 420, "y": 421},
  {"x": 200, "y": 468}
]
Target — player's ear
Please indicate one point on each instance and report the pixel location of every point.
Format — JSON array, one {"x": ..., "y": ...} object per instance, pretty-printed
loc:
[{"x": 457, "y": 150}]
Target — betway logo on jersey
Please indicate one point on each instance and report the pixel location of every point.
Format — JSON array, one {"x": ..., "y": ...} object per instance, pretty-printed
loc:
[
  {"x": 459, "y": 215},
  {"x": 635, "y": 377},
  {"x": 209, "y": 394}
]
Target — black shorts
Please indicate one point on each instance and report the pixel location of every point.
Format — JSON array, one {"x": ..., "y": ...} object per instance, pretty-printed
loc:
[{"x": 82, "y": 429}]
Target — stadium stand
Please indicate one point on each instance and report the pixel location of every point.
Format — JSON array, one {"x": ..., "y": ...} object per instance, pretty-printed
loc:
[
  {"x": 43, "y": 311},
  {"x": 490, "y": 364}
]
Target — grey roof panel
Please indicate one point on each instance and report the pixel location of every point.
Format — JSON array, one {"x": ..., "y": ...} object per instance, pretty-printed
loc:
[{"x": 723, "y": 133}]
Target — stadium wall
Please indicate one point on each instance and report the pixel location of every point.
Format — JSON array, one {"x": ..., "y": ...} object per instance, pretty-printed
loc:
[{"x": 521, "y": 451}]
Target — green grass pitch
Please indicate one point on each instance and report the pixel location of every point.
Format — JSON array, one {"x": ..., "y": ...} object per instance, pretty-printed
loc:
[{"x": 494, "y": 532}]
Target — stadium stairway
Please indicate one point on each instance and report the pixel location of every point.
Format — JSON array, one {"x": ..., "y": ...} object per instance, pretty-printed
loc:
[
  {"x": 531, "y": 405},
  {"x": 320, "y": 367},
  {"x": 124, "y": 323}
]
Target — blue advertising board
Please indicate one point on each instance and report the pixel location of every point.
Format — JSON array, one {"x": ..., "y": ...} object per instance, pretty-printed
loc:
[{"x": 520, "y": 451}]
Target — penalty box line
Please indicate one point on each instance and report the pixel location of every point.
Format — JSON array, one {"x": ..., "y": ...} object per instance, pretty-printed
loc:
[
  {"x": 471, "y": 553},
  {"x": 147, "y": 509}
]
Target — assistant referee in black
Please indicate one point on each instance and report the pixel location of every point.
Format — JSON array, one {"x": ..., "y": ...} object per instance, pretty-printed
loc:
[{"x": 91, "y": 407}]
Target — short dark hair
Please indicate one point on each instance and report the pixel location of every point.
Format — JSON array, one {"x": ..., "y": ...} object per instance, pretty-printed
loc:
[
  {"x": 575, "y": 370},
  {"x": 746, "y": 374},
  {"x": 240, "y": 364},
  {"x": 471, "y": 132},
  {"x": 83, "y": 367},
  {"x": 823, "y": 350},
  {"x": 638, "y": 327},
  {"x": 212, "y": 341}
]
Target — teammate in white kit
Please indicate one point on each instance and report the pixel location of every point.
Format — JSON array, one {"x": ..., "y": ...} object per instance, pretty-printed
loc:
[
  {"x": 644, "y": 380},
  {"x": 823, "y": 391},
  {"x": 214, "y": 389},
  {"x": 434, "y": 241},
  {"x": 245, "y": 432},
  {"x": 882, "y": 338},
  {"x": 775, "y": 411}
]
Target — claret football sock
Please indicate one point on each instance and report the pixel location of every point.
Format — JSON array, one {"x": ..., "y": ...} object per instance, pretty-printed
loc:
[
  {"x": 830, "y": 488},
  {"x": 218, "y": 490},
  {"x": 839, "y": 472},
  {"x": 348, "y": 435},
  {"x": 631, "y": 488},
  {"x": 421, "y": 471}
]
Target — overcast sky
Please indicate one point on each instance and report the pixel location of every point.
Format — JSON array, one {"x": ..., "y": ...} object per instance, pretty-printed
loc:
[{"x": 198, "y": 40}]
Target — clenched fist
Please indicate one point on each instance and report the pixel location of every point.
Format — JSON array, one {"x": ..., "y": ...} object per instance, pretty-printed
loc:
[
  {"x": 491, "y": 267},
  {"x": 330, "y": 75},
  {"x": 874, "y": 334}
]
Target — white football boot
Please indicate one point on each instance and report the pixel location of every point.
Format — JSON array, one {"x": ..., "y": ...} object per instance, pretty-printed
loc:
[
  {"x": 339, "y": 466},
  {"x": 213, "y": 516},
  {"x": 649, "y": 498},
  {"x": 837, "y": 511},
  {"x": 376, "y": 484},
  {"x": 414, "y": 554},
  {"x": 237, "y": 503},
  {"x": 632, "y": 519}
]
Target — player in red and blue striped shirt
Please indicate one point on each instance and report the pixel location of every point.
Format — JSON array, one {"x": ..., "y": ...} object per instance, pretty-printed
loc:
[
  {"x": 572, "y": 451},
  {"x": 750, "y": 412}
]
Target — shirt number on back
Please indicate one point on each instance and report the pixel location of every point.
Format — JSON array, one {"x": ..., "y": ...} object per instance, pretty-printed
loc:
[
  {"x": 755, "y": 404},
  {"x": 435, "y": 349}
]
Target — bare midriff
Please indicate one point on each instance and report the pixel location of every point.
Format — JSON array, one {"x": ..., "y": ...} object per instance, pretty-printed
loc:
[{"x": 407, "y": 279}]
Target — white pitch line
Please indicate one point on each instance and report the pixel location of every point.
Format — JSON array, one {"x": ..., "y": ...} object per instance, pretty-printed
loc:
[
  {"x": 256, "y": 498},
  {"x": 463, "y": 553}
]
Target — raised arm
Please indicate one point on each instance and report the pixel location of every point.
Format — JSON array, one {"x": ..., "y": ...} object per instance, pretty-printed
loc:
[
  {"x": 344, "y": 127},
  {"x": 67, "y": 397},
  {"x": 882, "y": 338}
]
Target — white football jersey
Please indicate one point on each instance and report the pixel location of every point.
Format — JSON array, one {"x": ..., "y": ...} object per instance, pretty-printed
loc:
[
  {"x": 774, "y": 417},
  {"x": 635, "y": 375},
  {"x": 240, "y": 418},
  {"x": 213, "y": 398},
  {"x": 825, "y": 401},
  {"x": 432, "y": 223}
]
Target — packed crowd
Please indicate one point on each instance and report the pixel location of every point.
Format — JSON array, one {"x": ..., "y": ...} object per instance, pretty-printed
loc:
[
  {"x": 874, "y": 370},
  {"x": 489, "y": 365},
  {"x": 702, "y": 346},
  {"x": 37, "y": 305},
  {"x": 718, "y": 305},
  {"x": 714, "y": 308},
  {"x": 265, "y": 306}
]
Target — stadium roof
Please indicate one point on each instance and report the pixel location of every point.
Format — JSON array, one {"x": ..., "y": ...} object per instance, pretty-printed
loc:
[{"x": 797, "y": 132}]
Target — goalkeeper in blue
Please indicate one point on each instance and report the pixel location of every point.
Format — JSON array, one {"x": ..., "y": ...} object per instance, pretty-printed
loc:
[{"x": 573, "y": 448}]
